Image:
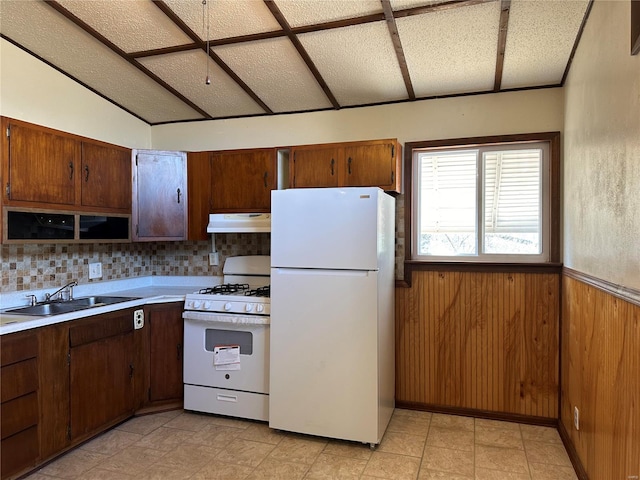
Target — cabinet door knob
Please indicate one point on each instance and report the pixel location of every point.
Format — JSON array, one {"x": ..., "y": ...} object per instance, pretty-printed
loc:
[
  {"x": 333, "y": 162},
  {"x": 86, "y": 173},
  {"x": 349, "y": 165},
  {"x": 179, "y": 194},
  {"x": 70, "y": 170},
  {"x": 266, "y": 174}
]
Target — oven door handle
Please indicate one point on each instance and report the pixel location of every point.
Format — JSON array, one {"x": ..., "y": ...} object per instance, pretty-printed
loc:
[{"x": 225, "y": 319}]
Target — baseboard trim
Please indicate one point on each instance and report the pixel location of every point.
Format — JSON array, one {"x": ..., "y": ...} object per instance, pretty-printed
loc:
[
  {"x": 572, "y": 452},
  {"x": 488, "y": 414}
]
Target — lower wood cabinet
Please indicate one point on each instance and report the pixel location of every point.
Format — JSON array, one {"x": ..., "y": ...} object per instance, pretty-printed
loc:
[
  {"x": 19, "y": 402},
  {"x": 165, "y": 336},
  {"x": 101, "y": 372}
]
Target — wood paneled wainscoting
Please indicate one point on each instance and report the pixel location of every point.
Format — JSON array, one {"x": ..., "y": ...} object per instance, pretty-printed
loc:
[
  {"x": 485, "y": 343},
  {"x": 601, "y": 376}
]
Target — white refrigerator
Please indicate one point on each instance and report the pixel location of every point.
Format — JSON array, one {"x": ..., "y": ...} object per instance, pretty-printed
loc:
[{"x": 332, "y": 368}]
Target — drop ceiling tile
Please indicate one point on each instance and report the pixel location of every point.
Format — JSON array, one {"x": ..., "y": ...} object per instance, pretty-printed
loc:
[
  {"x": 451, "y": 51},
  {"x": 48, "y": 34},
  {"x": 228, "y": 18},
  {"x": 274, "y": 70},
  {"x": 313, "y": 12},
  {"x": 404, "y": 4},
  {"x": 131, "y": 25},
  {"x": 358, "y": 63},
  {"x": 187, "y": 71},
  {"x": 539, "y": 41}
]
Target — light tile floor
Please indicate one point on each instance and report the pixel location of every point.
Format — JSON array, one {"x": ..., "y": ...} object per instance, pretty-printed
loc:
[{"x": 417, "y": 445}]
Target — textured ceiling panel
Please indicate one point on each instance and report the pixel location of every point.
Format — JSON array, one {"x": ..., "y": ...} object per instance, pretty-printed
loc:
[
  {"x": 131, "y": 25},
  {"x": 312, "y": 12},
  {"x": 186, "y": 72},
  {"x": 228, "y": 18},
  {"x": 46, "y": 33},
  {"x": 452, "y": 51},
  {"x": 540, "y": 40},
  {"x": 404, "y": 4},
  {"x": 274, "y": 70},
  {"x": 358, "y": 63}
]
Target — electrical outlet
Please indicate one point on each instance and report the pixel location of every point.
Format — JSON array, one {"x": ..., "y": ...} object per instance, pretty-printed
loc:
[
  {"x": 214, "y": 259},
  {"x": 138, "y": 319},
  {"x": 576, "y": 418},
  {"x": 95, "y": 270}
]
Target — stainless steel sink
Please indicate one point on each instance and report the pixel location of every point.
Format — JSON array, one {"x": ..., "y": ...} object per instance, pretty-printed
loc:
[{"x": 56, "y": 308}]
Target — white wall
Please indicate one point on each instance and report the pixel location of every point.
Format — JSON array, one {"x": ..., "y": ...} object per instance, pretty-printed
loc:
[
  {"x": 602, "y": 151},
  {"x": 477, "y": 115},
  {"x": 32, "y": 91}
]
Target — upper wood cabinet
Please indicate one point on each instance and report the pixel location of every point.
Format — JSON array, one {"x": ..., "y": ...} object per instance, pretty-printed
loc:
[
  {"x": 242, "y": 180},
  {"x": 375, "y": 163},
  {"x": 159, "y": 195},
  {"x": 46, "y": 168},
  {"x": 106, "y": 177},
  {"x": 199, "y": 185}
]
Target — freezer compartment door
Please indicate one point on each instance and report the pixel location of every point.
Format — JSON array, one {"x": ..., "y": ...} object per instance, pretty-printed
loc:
[
  {"x": 325, "y": 228},
  {"x": 324, "y": 353}
]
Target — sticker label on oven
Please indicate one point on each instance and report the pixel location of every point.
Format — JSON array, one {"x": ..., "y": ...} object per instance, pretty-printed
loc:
[{"x": 226, "y": 357}]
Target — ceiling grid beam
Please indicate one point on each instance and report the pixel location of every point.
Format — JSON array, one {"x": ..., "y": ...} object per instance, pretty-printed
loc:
[
  {"x": 505, "y": 7},
  {"x": 277, "y": 14},
  {"x": 117, "y": 50},
  {"x": 397, "y": 45}
]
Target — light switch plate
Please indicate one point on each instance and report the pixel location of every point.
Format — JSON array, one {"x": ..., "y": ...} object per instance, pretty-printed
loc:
[{"x": 138, "y": 319}]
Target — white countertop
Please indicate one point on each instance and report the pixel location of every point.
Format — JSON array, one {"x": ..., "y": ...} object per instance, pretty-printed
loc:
[{"x": 146, "y": 290}]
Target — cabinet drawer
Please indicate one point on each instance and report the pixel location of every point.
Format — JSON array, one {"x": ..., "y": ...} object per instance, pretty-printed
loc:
[
  {"x": 17, "y": 347},
  {"x": 19, "y": 414},
  {"x": 19, "y": 379},
  {"x": 19, "y": 451},
  {"x": 107, "y": 325}
]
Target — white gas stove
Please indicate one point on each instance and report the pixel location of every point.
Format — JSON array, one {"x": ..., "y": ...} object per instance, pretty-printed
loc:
[{"x": 226, "y": 339}]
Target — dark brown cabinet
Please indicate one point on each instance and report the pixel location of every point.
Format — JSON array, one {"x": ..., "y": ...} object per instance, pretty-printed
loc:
[
  {"x": 46, "y": 168},
  {"x": 165, "y": 332},
  {"x": 106, "y": 177},
  {"x": 199, "y": 185},
  {"x": 375, "y": 163},
  {"x": 242, "y": 180},
  {"x": 159, "y": 195},
  {"x": 19, "y": 402},
  {"x": 101, "y": 372}
]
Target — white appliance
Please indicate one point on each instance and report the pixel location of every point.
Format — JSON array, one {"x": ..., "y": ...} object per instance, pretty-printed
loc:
[
  {"x": 332, "y": 312},
  {"x": 233, "y": 314}
]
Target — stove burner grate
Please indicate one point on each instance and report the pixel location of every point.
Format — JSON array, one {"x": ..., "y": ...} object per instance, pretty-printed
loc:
[
  {"x": 225, "y": 288},
  {"x": 259, "y": 292}
]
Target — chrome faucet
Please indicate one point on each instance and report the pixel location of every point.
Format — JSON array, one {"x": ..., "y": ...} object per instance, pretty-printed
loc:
[{"x": 50, "y": 297}]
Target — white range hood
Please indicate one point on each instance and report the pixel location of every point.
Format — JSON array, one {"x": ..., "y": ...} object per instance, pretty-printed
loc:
[{"x": 239, "y": 222}]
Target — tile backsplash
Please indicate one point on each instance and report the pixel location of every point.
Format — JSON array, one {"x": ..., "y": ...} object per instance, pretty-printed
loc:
[{"x": 38, "y": 266}]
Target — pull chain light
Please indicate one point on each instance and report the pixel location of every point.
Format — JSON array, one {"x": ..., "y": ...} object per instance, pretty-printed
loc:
[{"x": 207, "y": 80}]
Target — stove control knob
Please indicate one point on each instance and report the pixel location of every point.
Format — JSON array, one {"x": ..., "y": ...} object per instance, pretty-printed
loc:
[
  {"x": 260, "y": 308},
  {"x": 206, "y": 305},
  {"x": 227, "y": 306},
  {"x": 196, "y": 304},
  {"x": 248, "y": 307}
]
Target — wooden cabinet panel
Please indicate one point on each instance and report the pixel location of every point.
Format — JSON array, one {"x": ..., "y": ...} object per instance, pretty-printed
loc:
[
  {"x": 17, "y": 347},
  {"x": 19, "y": 452},
  {"x": 199, "y": 186},
  {"x": 159, "y": 195},
  {"x": 372, "y": 164},
  {"x": 314, "y": 167},
  {"x": 19, "y": 414},
  {"x": 166, "y": 331},
  {"x": 43, "y": 167},
  {"x": 101, "y": 375},
  {"x": 106, "y": 177},
  {"x": 242, "y": 180},
  {"x": 19, "y": 379}
]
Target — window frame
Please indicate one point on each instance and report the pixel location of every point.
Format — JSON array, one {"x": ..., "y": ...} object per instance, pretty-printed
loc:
[{"x": 552, "y": 197}]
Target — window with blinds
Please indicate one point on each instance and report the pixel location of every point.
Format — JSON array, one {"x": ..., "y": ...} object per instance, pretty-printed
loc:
[{"x": 483, "y": 203}]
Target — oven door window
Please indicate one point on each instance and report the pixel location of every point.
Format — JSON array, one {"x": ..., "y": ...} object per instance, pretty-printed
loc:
[{"x": 215, "y": 337}]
